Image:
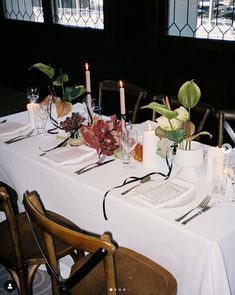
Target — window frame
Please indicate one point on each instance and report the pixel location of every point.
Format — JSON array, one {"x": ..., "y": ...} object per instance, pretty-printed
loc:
[
  {"x": 50, "y": 16},
  {"x": 182, "y": 43}
]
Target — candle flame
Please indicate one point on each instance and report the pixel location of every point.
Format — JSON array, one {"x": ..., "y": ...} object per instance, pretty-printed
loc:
[
  {"x": 121, "y": 84},
  {"x": 86, "y": 66}
]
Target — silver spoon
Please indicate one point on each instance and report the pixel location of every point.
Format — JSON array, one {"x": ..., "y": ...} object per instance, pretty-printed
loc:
[{"x": 143, "y": 180}]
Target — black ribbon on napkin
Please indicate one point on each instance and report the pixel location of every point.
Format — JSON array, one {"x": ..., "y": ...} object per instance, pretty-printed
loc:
[{"x": 169, "y": 162}]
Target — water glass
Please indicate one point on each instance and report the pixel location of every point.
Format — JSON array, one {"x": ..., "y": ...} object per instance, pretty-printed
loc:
[
  {"x": 42, "y": 117},
  {"x": 128, "y": 142},
  {"x": 219, "y": 178},
  {"x": 32, "y": 94}
]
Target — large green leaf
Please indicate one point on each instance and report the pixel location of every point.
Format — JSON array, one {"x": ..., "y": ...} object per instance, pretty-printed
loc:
[
  {"x": 60, "y": 80},
  {"x": 74, "y": 92},
  {"x": 189, "y": 94},
  {"x": 176, "y": 136},
  {"x": 161, "y": 109},
  {"x": 48, "y": 70}
]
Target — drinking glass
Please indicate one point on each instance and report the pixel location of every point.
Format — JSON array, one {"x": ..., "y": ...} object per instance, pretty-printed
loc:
[
  {"x": 219, "y": 179},
  {"x": 128, "y": 143},
  {"x": 230, "y": 199},
  {"x": 43, "y": 115},
  {"x": 32, "y": 94}
]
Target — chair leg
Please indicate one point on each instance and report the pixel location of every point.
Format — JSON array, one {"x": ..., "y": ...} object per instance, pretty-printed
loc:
[
  {"x": 31, "y": 274},
  {"x": 20, "y": 280}
]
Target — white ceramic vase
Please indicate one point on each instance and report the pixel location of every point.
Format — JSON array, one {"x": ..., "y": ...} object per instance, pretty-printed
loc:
[{"x": 189, "y": 162}]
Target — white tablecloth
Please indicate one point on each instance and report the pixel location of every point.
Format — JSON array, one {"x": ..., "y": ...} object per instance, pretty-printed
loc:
[{"x": 200, "y": 254}]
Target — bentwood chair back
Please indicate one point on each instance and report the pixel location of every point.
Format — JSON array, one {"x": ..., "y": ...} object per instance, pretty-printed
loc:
[
  {"x": 199, "y": 114},
  {"x": 110, "y": 104},
  {"x": 106, "y": 269},
  {"x": 19, "y": 253},
  {"x": 225, "y": 118},
  {"x": 12, "y": 196}
]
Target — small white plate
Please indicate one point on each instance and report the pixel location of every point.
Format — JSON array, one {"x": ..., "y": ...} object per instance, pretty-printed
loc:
[
  {"x": 169, "y": 193},
  {"x": 10, "y": 128}
]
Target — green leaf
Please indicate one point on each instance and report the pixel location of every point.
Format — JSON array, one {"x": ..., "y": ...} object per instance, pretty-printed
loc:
[
  {"x": 60, "y": 80},
  {"x": 190, "y": 138},
  {"x": 161, "y": 109},
  {"x": 176, "y": 136},
  {"x": 48, "y": 70},
  {"x": 74, "y": 92},
  {"x": 189, "y": 94}
]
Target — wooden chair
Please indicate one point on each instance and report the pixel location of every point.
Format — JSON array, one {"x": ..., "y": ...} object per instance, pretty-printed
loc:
[
  {"x": 19, "y": 253},
  {"x": 106, "y": 269},
  {"x": 133, "y": 93},
  {"x": 199, "y": 114},
  {"x": 224, "y": 117},
  {"x": 12, "y": 196}
]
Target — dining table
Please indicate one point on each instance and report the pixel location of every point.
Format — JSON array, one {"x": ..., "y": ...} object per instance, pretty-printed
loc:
[{"x": 199, "y": 254}]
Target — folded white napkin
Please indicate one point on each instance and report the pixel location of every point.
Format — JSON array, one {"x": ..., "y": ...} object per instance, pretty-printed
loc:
[
  {"x": 69, "y": 155},
  {"x": 165, "y": 193},
  {"x": 10, "y": 128}
]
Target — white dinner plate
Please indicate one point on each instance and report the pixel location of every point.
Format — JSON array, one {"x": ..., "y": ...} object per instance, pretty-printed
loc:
[
  {"x": 10, "y": 128},
  {"x": 69, "y": 155},
  {"x": 169, "y": 193}
]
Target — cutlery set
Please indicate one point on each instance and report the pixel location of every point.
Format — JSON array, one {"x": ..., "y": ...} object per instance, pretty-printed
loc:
[
  {"x": 203, "y": 205},
  {"x": 91, "y": 166},
  {"x": 20, "y": 137}
]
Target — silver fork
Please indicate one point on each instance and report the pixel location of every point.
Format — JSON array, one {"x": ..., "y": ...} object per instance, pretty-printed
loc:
[
  {"x": 202, "y": 205},
  {"x": 19, "y": 137},
  {"x": 100, "y": 161}
]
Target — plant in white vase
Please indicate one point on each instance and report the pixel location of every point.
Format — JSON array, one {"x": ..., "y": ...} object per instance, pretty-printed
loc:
[
  {"x": 63, "y": 105},
  {"x": 176, "y": 125}
]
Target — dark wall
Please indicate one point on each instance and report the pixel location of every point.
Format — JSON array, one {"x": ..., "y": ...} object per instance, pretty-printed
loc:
[{"x": 132, "y": 48}]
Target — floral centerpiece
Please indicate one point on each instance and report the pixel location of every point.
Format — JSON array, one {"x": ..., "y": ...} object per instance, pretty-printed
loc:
[
  {"x": 63, "y": 105},
  {"x": 102, "y": 135},
  {"x": 175, "y": 125}
]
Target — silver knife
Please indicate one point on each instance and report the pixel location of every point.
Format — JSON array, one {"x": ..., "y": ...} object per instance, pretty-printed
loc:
[
  {"x": 99, "y": 165},
  {"x": 197, "y": 214}
]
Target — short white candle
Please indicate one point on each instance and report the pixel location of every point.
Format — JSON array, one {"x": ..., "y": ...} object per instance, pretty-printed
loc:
[
  {"x": 149, "y": 148},
  {"x": 32, "y": 112},
  {"x": 212, "y": 153},
  {"x": 122, "y": 103},
  {"x": 88, "y": 88}
]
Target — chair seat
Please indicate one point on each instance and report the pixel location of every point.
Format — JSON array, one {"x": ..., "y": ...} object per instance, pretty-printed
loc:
[
  {"x": 131, "y": 275},
  {"x": 31, "y": 253}
]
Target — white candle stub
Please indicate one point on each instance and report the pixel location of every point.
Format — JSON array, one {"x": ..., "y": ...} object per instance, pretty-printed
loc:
[
  {"x": 212, "y": 153},
  {"x": 149, "y": 148}
]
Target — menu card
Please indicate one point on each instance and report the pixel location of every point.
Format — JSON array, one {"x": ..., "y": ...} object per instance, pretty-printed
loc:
[{"x": 164, "y": 193}]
